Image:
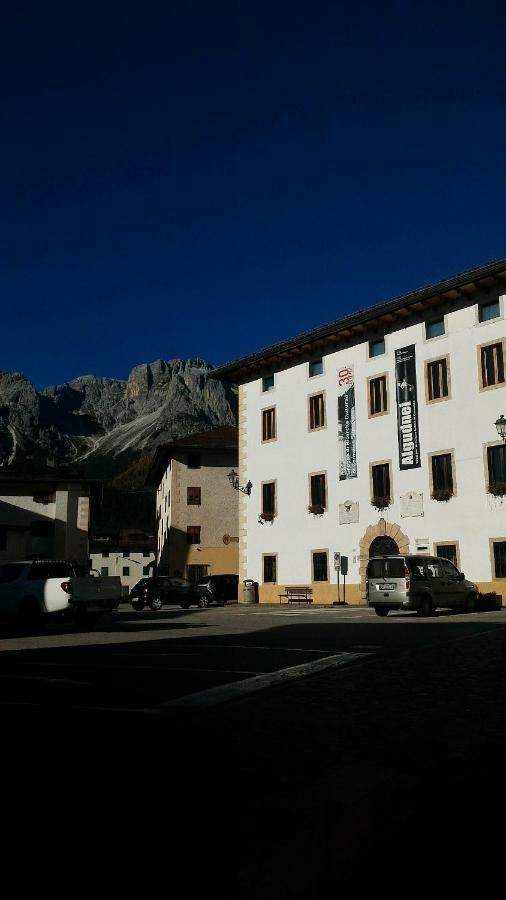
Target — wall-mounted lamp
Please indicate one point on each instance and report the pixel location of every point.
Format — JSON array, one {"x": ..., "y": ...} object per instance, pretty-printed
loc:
[
  {"x": 501, "y": 427},
  {"x": 233, "y": 477}
]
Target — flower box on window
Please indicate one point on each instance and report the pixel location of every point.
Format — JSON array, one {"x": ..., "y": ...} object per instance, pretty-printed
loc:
[
  {"x": 267, "y": 516},
  {"x": 316, "y": 509},
  {"x": 497, "y": 488},
  {"x": 380, "y": 502},
  {"x": 442, "y": 494}
]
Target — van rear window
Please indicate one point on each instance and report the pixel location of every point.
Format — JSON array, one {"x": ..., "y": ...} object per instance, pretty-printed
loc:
[{"x": 393, "y": 567}]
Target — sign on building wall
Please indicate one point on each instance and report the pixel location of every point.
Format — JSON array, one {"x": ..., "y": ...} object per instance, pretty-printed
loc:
[
  {"x": 347, "y": 425},
  {"x": 348, "y": 513},
  {"x": 411, "y": 504},
  {"x": 407, "y": 408}
]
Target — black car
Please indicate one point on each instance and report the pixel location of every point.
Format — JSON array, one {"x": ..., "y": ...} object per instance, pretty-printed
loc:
[
  {"x": 169, "y": 590},
  {"x": 219, "y": 588}
]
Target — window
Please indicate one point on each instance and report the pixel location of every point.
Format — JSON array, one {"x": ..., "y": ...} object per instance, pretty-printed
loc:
[
  {"x": 376, "y": 348},
  {"x": 435, "y": 328},
  {"x": 316, "y": 412},
  {"x": 437, "y": 380},
  {"x": 269, "y": 424},
  {"x": 492, "y": 365},
  {"x": 434, "y": 568},
  {"x": 442, "y": 476},
  {"x": 380, "y": 477},
  {"x": 378, "y": 396},
  {"x": 146, "y": 553},
  {"x": 145, "y": 570},
  {"x": 44, "y": 497},
  {"x": 316, "y": 368},
  {"x": 496, "y": 461},
  {"x": 499, "y": 558},
  {"x": 104, "y": 570},
  {"x": 270, "y": 569},
  {"x": 447, "y": 551},
  {"x": 268, "y": 383},
  {"x": 193, "y": 534},
  {"x": 318, "y": 492},
  {"x": 193, "y": 461},
  {"x": 268, "y": 500},
  {"x": 125, "y": 554},
  {"x": 487, "y": 311},
  {"x": 320, "y": 566},
  {"x": 193, "y": 496},
  {"x": 126, "y": 570},
  {"x": 105, "y": 554},
  {"x": 449, "y": 570}
]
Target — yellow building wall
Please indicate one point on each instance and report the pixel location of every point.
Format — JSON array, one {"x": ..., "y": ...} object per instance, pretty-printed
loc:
[
  {"x": 222, "y": 560},
  {"x": 327, "y": 593}
]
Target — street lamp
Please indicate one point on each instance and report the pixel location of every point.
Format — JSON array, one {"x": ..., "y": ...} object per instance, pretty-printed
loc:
[
  {"x": 501, "y": 427},
  {"x": 233, "y": 477}
]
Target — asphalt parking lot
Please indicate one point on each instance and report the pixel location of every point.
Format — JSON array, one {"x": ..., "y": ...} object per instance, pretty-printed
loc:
[
  {"x": 173, "y": 658},
  {"x": 382, "y": 773}
]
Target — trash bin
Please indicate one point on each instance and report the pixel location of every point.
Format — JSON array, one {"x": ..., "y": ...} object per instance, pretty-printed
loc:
[{"x": 250, "y": 591}]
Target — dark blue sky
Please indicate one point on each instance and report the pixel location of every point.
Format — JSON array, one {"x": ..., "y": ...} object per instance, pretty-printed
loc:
[{"x": 207, "y": 182}]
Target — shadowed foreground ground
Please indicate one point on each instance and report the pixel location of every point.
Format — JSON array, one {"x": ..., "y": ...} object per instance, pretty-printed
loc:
[{"x": 388, "y": 776}]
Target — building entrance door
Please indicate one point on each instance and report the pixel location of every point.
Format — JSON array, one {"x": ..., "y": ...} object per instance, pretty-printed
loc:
[{"x": 383, "y": 546}]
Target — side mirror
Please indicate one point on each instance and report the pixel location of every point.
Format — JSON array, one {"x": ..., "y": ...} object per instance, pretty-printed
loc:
[{"x": 461, "y": 576}]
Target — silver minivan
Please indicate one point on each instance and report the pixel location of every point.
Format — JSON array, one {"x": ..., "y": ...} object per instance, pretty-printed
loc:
[{"x": 421, "y": 583}]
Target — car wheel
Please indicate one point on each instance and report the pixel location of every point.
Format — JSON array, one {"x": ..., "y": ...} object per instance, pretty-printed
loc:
[
  {"x": 138, "y": 604},
  {"x": 426, "y": 608},
  {"x": 381, "y": 611},
  {"x": 155, "y": 604},
  {"x": 471, "y": 603},
  {"x": 203, "y": 601},
  {"x": 185, "y": 605}
]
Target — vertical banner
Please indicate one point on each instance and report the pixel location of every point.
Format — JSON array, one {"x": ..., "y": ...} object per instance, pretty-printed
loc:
[
  {"x": 407, "y": 408},
  {"x": 347, "y": 425}
]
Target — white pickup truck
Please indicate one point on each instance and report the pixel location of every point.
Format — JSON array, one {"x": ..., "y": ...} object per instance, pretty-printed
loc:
[{"x": 32, "y": 589}]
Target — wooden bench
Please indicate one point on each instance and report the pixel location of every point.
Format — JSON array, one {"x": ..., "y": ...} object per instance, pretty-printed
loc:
[{"x": 297, "y": 595}]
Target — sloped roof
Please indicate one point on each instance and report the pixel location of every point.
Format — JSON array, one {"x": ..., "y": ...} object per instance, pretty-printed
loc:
[
  {"x": 224, "y": 438},
  {"x": 328, "y": 337}
]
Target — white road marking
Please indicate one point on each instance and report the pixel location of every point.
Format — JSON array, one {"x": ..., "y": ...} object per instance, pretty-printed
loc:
[{"x": 240, "y": 689}]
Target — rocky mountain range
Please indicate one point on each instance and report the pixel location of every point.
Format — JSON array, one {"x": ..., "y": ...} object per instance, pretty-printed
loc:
[{"x": 101, "y": 425}]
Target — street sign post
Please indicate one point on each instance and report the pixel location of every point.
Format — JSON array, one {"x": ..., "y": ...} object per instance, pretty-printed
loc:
[{"x": 340, "y": 565}]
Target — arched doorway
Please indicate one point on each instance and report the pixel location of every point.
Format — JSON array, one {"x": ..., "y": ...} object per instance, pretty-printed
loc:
[
  {"x": 383, "y": 546},
  {"x": 384, "y": 537}
]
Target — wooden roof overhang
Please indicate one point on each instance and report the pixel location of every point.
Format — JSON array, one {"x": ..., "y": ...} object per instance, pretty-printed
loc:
[{"x": 376, "y": 318}]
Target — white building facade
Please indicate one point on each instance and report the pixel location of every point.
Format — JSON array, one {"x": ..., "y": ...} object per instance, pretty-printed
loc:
[
  {"x": 377, "y": 434},
  {"x": 129, "y": 554},
  {"x": 44, "y": 516}
]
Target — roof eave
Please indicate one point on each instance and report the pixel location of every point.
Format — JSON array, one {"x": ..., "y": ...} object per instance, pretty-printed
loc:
[{"x": 393, "y": 310}]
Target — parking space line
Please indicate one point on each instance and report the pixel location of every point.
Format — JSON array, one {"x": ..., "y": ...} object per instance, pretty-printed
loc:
[{"x": 240, "y": 689}]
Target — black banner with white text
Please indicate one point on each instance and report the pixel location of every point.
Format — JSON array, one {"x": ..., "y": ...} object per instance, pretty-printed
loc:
[{"x": 407, "y": 408}]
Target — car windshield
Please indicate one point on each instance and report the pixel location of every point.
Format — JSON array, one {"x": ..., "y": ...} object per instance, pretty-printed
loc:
[{"x": 390, "y": 567}]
